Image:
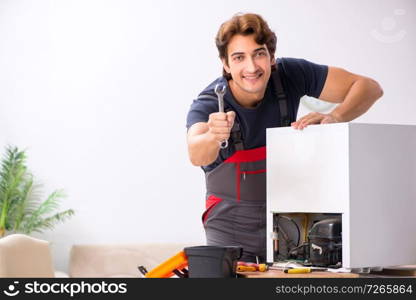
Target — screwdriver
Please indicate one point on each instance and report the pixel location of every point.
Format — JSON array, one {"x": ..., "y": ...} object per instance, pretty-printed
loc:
[
  {"x": 251, "y": 267},
  {"x": 298, "y": 270}
]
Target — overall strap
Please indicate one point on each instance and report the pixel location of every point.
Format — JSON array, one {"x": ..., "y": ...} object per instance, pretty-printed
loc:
[
  {"x": 236, "y": 136},
  {"x": 282, "y": 99}
]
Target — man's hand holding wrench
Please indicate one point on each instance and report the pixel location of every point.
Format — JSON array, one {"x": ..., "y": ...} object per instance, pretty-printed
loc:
[{"x": 220, "y": 123}]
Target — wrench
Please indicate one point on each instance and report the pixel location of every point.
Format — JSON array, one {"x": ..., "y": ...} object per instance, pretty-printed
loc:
[{"x": 220, "y": 91}]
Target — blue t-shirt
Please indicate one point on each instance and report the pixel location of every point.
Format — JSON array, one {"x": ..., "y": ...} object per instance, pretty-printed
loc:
[{"x": 299, "y": 77}]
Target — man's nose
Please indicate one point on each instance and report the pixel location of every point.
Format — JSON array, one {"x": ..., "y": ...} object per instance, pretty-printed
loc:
[{"x": 251, "y": 65}]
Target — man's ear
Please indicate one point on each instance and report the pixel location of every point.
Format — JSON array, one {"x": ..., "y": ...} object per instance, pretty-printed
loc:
[
  {"x": 225, "y": 65},
  {"x": 272, "y": 60}
]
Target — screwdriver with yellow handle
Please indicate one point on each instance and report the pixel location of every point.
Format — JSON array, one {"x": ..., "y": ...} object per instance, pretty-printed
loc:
[
  {"x": 298, "y": 270},
  {"x": 251, "y": 267}
]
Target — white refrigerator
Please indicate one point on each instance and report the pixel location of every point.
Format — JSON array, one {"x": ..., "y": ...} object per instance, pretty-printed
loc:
[{"x": 366, "y": 173}]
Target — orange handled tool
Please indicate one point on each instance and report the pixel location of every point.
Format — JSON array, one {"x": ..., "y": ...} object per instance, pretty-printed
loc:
[
  {"x": 176, "y": 265},
  {"x": 251, "y": 267}
]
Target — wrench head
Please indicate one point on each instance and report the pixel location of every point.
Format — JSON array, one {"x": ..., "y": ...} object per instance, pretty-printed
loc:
[{"x": 220, "y": 89}]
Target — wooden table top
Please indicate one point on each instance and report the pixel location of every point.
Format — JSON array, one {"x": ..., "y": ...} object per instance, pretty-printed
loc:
[
  {"x": 398, "y": 271},
  {"x": 281, "y": 274}
]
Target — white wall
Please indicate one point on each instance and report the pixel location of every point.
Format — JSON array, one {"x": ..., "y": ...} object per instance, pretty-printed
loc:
[{"x": 98, "y": 92}]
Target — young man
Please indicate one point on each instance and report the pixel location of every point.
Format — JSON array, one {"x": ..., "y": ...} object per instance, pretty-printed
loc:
[{"x": 261, "y": 92}]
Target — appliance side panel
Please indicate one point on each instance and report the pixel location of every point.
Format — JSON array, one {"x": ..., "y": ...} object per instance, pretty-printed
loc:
[{"x": 383, "y": 195}]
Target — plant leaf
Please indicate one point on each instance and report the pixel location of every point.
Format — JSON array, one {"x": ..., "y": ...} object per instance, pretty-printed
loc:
[{"x": 21, "y": 208}]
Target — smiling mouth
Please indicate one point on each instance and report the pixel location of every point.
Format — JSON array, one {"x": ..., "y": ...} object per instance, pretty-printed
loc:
[{"x": 253, "y": 77}]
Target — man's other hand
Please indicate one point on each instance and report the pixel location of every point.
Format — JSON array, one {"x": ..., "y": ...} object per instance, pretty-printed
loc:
[{"x": 314, "y": 118}]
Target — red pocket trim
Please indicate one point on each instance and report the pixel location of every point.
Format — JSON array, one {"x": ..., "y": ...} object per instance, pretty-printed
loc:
[{"x": 210, "y": 203}]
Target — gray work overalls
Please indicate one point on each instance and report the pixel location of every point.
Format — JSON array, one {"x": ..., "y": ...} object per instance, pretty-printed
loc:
[{"x": 235, "y": 212}]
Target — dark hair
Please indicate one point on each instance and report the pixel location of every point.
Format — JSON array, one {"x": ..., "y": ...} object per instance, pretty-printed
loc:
[{"x": 245, "y": 24}]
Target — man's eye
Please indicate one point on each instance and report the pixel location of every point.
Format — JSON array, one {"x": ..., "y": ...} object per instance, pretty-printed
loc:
[
  {"x": 262, "y": 53},
  {"x": 238, "y": 58}
]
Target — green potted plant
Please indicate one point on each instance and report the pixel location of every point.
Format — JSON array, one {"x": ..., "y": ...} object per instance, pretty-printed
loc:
[{"x": 21, "y": 209}]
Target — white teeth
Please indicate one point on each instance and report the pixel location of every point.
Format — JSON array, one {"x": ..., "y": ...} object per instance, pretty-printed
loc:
[{"x": 252, "y": 77}]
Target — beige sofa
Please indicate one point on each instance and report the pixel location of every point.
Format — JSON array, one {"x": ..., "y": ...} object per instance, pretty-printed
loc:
[
  {"x": 25, "y": 256},
  {"x": 119, "y": 260}
]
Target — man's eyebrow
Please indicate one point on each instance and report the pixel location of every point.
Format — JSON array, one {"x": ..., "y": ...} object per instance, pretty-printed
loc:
[
  {"x": 255, "y": 50},
  {"x": 237, "y": 53},
  {"x": 260, "y": 49}
]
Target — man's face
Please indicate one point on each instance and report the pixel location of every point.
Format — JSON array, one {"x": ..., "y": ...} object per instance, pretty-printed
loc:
[{"x": 249, "y": 64}]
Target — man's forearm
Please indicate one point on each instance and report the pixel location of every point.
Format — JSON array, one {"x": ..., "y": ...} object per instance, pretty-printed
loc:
[
  {"x": 203, "y": 149},
  {"x": 361, "y": 96}
]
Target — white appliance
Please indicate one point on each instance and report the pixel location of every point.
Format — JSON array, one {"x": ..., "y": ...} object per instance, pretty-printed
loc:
[{"x": 366, "y": 173}]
